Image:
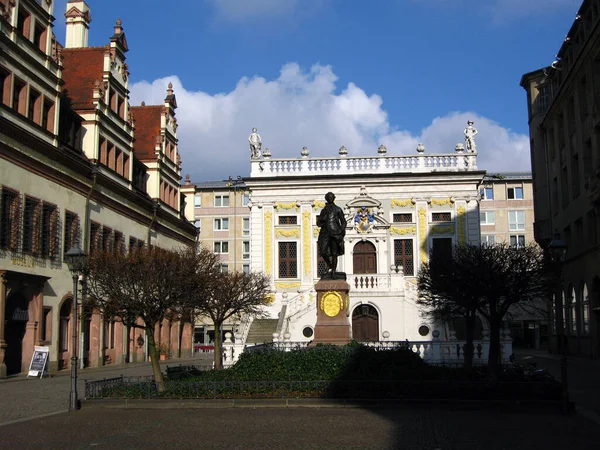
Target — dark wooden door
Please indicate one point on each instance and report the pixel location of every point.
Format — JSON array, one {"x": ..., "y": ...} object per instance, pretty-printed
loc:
[
  {"x": 365, "y": 323},
  {"x": 364, "y": 258}
]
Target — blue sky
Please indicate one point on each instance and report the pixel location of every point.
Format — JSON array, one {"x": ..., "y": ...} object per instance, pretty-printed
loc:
[{"x": 326, "y": 73}]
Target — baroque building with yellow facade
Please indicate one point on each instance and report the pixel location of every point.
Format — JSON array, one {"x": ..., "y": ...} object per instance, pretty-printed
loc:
[{"x": 398, "y": 208}]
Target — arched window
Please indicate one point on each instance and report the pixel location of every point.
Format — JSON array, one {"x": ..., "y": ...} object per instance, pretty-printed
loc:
[
  {"x": 585, "y": 310},
  {"x": 573, "y": 307}
]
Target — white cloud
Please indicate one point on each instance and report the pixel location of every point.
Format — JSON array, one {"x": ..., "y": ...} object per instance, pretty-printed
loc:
[{"x": 302, "y": 108}]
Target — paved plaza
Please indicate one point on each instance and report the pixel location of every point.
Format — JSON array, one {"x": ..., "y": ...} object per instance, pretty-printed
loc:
[
  {"x": 306, "y": 428},
  {"x": 33, "y": 416}
]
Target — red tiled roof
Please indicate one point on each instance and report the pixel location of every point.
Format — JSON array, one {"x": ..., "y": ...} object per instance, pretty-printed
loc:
[
  {"x": 81, "y": 68},
  {"x": 147, "y": 128}
]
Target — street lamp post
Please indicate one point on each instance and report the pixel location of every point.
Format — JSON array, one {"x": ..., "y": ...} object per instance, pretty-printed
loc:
[
  {"x": 76, "y": 259},
  {"x": 558, "y": 253}
]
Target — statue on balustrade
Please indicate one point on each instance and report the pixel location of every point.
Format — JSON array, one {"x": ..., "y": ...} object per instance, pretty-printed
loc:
[
  {"x": 331, "y": 237},
  {"x": 470, "y": 133},
  {"x": 255, "y": 144}
]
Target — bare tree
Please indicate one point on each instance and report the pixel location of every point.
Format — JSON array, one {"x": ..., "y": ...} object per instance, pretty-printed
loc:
[
  {"x": 488, "y": 279},
  {"x": 446, "y": 291},
  {"x": 231, "y": 294},
  {"x": 144, "y": 284}
]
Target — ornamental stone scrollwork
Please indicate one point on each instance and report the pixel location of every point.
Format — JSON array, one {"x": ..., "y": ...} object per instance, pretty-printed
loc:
[
  {"x": 442, "y": 230},
  {"x": 290, "y": 205},
  {"x": 410, "y": 202},
  {"x": 268, "y": 242},
  {"x": 316, "y": 231},
  {"x": 423, "y": 234},
  {"x": 270, "y": 299},
  {"x": 318, "y": 204},
  {"x": 441, "y": 201},
  {"x": 287, "y": 284},
  {"x": 288, "y": 233},
  {"x": 462, "y": 226},
  {"x": 306, "y": 215},
  {"x": 403, "y": 231}
]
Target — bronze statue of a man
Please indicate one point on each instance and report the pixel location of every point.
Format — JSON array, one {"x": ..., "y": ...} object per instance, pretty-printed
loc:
[{"x": 331, "y": 237}]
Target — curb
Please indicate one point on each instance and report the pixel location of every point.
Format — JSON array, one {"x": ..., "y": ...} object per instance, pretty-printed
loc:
[{"x": 531, "y": 406}]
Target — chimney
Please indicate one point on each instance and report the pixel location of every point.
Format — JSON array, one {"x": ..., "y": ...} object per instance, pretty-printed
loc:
[{"x": 78, "y": 23}]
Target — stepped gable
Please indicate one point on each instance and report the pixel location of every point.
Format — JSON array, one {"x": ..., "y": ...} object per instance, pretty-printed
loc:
[
  {"x": 147, "y": 130},
  {"x": 82, "y": 67}
]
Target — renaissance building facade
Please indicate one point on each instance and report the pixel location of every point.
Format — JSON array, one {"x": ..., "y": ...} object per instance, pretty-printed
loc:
[
  {"x": 398, "y": 209},
  {"x": 78, "y": 167}
]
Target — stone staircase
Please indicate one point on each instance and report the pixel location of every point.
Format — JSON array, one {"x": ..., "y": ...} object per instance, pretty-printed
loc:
[{"x": 261, "y": 331}]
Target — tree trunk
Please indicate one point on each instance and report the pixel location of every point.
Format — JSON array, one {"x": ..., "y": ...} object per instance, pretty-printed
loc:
[
  {"x": 469, "y": 334},
  {"x": 218, "y": 356},
  {"x": 128, "y": 344},
  {"x": 155, "y": 358},
  {"x": 494, "y": 355}
]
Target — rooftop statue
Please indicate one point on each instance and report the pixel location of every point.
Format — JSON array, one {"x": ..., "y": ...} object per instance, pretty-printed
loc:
[
  {"x": 255, "y": 144},
  {"x": 331, "y": 237},
  {"x": 470, "y": 133}
]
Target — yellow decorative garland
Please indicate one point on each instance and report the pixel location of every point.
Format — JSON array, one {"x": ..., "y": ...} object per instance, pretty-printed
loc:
[
  {"x": 442, "y": 201},
  {"x": 306, "y": 215},
  {"x": 287, "y": 284},
  {"x": 423, "y": 234},
  {"x": 402, "y": 203},
  {"x": 295, "y": 232},
  {"x": 318, "y": 204},
  {"x": 403, "y": 231},
  {"x": 442, "y": 230},
  {"x": 291, "y": 205},
  {"x": 268, "y": 242}
]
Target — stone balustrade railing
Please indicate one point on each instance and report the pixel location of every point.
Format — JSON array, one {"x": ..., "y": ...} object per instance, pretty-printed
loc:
[{"x": 268, "y": 167}]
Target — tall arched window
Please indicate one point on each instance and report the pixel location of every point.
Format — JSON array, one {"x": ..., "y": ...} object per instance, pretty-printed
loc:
[
  {"x": 364, "y": 258},
  {"x": 585, "y": 310},
  {"x": 573, "y": 307}
]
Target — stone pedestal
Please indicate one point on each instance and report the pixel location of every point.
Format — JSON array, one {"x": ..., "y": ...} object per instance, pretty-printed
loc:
[{"x": 333, "y": 326}]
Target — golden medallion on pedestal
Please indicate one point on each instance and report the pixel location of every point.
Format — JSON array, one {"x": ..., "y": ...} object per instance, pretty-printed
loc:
[{"x": 332, "y": 303}]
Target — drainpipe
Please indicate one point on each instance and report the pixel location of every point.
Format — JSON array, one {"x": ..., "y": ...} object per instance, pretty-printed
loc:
[
  {"x": 86, "y": 248},
  {"x": 155, "y": 207}
]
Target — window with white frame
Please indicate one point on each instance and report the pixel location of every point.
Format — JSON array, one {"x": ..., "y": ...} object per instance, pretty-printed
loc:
[
  {"x": 224, "y": 268},
  {"x": 197, "y": 200},
  {"x": 221, "y": 201},
  {"x": 246, "y": 268},
  {"x": 487, "y": 217},
  {"x": 221, "y": 223},
  {"x": 488, "y": 239},
  {"x": 514, "y": 193},
  {"x": 517, "y": 240},
  {"x": 245, "y": 199},
  {"x": 246, "y": 250},
  {"x": 487, "y": 193},
  {"x": 516, "y": 220},
  {"x": 221, "y": 247},
  {"x": 246, "y": 226}
]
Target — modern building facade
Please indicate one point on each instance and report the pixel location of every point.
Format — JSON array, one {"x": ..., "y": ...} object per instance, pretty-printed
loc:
[
  {"x": 563, "y": 103},
  {"x": 506, "y": 215},
  {"x": 221, "y": 215},
  {"x": 75, "y": 169}
]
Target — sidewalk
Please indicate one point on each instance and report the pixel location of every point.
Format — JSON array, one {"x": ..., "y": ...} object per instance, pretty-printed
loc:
[
  {"x": 24, "y": 397},
  {"x": 583, "y": 378}
]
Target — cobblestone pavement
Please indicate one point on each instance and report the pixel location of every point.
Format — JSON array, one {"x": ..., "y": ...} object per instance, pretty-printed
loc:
[
  {"x": 22, "y": 397},
  {"x": 306, "y": 428},
  {"x": 583, "y": 378}
]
